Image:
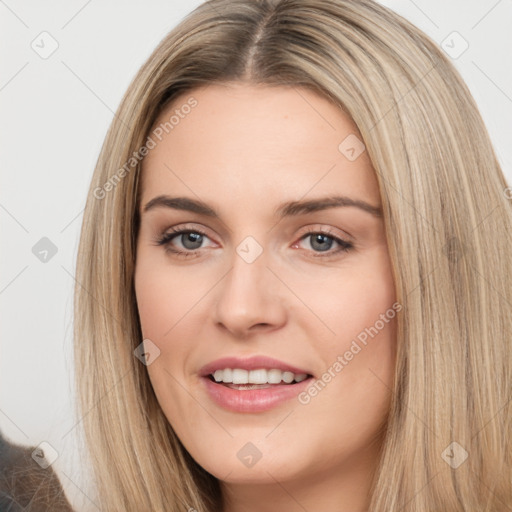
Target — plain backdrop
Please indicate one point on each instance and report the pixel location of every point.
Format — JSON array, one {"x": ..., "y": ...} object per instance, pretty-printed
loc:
[{"x": 55, "y": 110}]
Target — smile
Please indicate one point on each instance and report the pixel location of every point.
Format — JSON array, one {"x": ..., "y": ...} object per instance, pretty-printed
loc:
[{"x": 254, "y": 384}]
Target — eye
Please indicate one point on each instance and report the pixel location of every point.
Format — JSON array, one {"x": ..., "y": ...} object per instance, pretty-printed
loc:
[
  {"x": 187, "y": 242},
  {"x": 182, "y": 242},
  {"x": 321, "y": 241}
]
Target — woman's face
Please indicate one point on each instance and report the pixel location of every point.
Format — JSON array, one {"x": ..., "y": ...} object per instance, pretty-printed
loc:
[{"x": 272, "y": 265}]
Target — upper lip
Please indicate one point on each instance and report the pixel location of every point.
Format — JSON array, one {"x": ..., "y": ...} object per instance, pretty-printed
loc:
[{"x": 249, "y": 363}]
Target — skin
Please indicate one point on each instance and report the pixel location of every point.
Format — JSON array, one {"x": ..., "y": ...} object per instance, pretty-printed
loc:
[{"x": 245, "y": 150}]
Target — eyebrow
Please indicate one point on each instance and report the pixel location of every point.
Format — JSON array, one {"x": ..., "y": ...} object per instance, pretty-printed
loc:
[{"x": 289, "y": 209}]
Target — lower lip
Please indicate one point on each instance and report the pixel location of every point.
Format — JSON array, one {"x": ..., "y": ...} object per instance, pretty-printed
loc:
[{"x": 253, "y": 400}]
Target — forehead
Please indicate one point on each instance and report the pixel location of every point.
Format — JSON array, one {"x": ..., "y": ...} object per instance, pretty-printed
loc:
[{"x": 255, "y": 143}]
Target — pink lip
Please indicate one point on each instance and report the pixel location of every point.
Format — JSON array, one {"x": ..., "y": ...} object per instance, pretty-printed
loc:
[
  {"x": 249, "y": 363},
  {"x": 253, "y": 400}
]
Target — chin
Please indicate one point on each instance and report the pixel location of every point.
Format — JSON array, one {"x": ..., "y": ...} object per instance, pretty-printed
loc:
[{"x": 261, "y": 473}]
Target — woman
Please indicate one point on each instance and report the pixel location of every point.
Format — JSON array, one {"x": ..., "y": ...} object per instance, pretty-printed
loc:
[{"x": 295, "y": 273}]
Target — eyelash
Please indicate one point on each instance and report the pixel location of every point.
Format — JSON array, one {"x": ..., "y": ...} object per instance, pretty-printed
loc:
[{"x": 167, "y": 237}]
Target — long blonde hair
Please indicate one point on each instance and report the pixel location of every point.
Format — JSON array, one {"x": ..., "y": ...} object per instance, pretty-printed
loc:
[{"x": 448, "y": 225}]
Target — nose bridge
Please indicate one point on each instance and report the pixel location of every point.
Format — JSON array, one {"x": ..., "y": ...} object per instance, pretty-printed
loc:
[
  {"x": 248, "y": 294},
  {"x": 247, "y": 282}
]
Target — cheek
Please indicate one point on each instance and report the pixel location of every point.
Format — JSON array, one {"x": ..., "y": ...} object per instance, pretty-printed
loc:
[
  {"x": 164, "y": 303},
  {"x": 164, "y": 296},
  {"x": 168, "y": 301},
  {"x": 349, "y": 300},
  {"x": 359, "y": 352},
  {"x": 163, "y": 300},
  {"x": 351, "y": 398}
]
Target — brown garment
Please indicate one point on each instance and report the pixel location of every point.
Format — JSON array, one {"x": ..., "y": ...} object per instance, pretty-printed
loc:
[{"x": 25, "y": 485}]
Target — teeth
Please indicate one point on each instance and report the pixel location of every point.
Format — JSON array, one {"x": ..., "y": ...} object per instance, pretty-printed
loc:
[
  {"x": 288, "y": 377},
  {"x": 239, "y": 376},
  {"x": 274, "y": 376},
  {"x": 260, "y": 376}
]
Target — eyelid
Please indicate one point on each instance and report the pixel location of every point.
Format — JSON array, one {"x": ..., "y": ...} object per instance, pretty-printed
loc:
[
  {"x": 309, "y": 229},
  {"x": 329, "y": 230},
  {"x": 188, "y": 226}
]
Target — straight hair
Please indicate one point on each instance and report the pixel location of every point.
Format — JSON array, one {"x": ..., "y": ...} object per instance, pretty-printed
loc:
[{"x": 448, "y": 227}]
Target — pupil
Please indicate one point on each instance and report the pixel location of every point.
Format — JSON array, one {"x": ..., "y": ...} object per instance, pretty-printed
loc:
[
  {"x": 321, "y": 239},
  {"x": 192, "y": 240}
]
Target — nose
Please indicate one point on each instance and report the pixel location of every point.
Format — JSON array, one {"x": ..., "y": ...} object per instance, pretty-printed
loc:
[{"x": 250, "y": 299}]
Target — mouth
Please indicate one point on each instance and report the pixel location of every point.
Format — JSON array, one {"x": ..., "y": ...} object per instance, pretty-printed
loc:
[{"x": 252, "y": 384}]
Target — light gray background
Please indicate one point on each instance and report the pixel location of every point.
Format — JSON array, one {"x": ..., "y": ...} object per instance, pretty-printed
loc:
[{"x": 54, "y": 115}]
